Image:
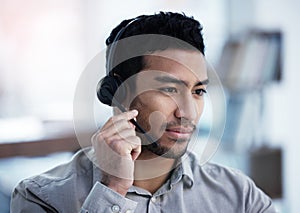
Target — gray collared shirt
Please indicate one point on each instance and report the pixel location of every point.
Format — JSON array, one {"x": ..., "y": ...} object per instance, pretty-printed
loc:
[{"x": 76, "y": 187}]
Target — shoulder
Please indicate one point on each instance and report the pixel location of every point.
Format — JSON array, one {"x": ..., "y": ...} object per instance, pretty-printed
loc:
[
  {"x": 225, "y": 184},
  {"x": 74, "y": 177},
  {"x": 224, "y": 173},
  {"x": 215, "y": 178},
  {"x": 79, "y": 165},
  {"x": 216, "y": 172}
]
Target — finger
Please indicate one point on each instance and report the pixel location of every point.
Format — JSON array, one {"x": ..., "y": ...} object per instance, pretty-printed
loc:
[
  {"x": 125, "y": 135},
  {"x": 123, "y": 116},
  {"x": 126, "y": 147},
  {"x": 136, "y": 147},
  {"x": 112, "y": 136},
  {"x": 121, "y": 135},
  {"x": 116, "y": 127},
  {"x": 135, "y": 143}
]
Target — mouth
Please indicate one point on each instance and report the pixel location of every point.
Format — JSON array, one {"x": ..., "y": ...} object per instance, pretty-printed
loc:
[{"x": 181, "y": 133}]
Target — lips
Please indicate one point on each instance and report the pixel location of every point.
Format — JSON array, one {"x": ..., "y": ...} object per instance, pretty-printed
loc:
[{"x": 179, "y": 132}]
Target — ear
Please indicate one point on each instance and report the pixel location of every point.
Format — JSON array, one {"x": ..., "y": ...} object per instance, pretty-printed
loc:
[
  {"x": 127, "y": 99},
  {"x": 106, "y": 90}
]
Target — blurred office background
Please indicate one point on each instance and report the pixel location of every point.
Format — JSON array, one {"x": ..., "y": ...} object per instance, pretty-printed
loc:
[{"x": 253, "y": 44}]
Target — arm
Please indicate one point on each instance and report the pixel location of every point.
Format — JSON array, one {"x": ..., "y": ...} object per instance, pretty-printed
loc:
[
  {"x": 23, "y": 200},
  {"x": 116, "y": 146},
  {"x": 257, "y": 200},
  {"x": 29, "y": 197},
  {"x": 109, "y": 200}
]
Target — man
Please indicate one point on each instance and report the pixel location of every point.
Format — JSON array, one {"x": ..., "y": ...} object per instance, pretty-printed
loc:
[{"x": 134, "y": 172}]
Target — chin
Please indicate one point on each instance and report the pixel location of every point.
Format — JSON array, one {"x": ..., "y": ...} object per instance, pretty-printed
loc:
[{"x": 172, "y": 150}]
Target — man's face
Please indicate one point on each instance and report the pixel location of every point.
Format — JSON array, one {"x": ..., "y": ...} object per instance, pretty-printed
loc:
[{"x": 169, "y": 98}]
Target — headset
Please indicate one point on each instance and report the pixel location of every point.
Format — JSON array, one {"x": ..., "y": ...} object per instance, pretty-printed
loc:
[{"x": 110, "y": 84}]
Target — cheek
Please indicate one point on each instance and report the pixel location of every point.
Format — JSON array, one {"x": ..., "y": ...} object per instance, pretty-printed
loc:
[
  {"x": 165, "y": 106},
  {"x": 154, "y": 110},
  {"x": 200, "y": 107},
  {"x": 152, "y": 101}
]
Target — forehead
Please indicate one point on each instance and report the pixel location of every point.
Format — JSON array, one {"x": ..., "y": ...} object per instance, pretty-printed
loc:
[{"x": 186, "y": 65}]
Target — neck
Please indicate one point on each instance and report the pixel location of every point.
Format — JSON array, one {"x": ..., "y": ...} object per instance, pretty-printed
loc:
[{"x": 152, "y": 171}]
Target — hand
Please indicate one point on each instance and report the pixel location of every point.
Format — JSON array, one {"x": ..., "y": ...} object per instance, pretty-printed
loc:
[{"x": 117, "y": 147}]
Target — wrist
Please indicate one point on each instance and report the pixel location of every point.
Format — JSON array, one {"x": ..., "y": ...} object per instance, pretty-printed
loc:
[{"x": 117, "y": 186}]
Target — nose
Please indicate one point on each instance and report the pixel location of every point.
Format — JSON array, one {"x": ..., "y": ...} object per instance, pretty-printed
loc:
[{"x": 188, "y": 108}]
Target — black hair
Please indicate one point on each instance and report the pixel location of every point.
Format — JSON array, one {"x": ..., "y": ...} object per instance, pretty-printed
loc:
[{"x": 171, "y": 24}]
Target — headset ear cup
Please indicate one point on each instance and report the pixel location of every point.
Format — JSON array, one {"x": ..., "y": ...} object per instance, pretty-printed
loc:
[{"x": 108, "y": 87}]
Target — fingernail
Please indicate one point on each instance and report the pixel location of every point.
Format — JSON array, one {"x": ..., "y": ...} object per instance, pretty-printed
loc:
[{"x": 134, "y": 112}]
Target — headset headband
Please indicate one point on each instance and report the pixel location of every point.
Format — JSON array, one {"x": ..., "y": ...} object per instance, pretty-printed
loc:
[{"x": 114, "y": 46}]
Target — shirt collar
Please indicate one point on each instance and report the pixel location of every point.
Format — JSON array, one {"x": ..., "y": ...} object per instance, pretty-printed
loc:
[
  {"x": 187, "y": 170},
  {"x": 183, "y": 172}
]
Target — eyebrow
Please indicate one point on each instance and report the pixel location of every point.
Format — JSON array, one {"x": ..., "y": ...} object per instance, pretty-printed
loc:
[{"x": 168, "y": 79}]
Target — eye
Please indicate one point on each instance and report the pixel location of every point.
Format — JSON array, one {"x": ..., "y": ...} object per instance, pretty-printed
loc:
[
  {"x": 169, "y": 89},
  {"x": 199, "y": 92}
]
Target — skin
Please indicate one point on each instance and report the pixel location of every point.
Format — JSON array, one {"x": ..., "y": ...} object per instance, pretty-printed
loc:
[{"x": 167, "y": 103}]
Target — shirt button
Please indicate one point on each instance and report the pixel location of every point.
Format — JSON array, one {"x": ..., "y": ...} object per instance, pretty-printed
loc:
[
  {"x": 128, "y": 211},
  {"x": 153, "y": 199},
  {"x": 115, "y": 208}
]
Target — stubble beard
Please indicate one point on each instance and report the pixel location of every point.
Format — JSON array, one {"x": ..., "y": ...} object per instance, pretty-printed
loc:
[
  {"x": 175, "y": 149},
  {"x": 167, "y": 152}
]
